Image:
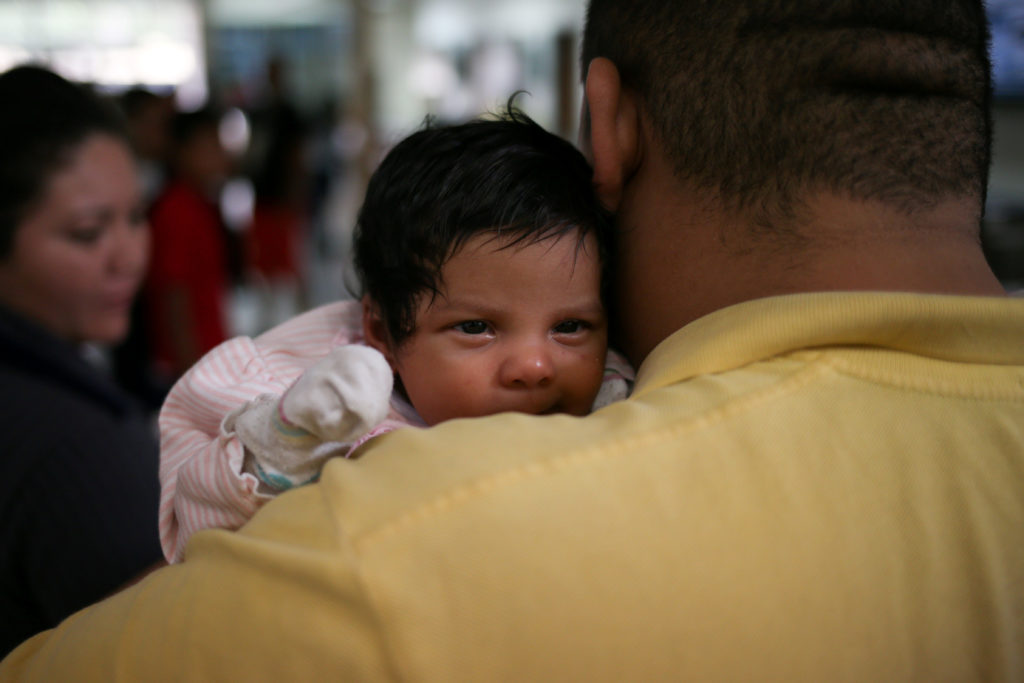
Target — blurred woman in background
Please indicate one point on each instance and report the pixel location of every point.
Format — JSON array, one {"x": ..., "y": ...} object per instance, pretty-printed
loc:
[{"x": 78, "y": 459}]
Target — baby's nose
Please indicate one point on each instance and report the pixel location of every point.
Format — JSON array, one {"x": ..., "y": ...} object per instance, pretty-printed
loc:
[{"x": 527, "y": 366}]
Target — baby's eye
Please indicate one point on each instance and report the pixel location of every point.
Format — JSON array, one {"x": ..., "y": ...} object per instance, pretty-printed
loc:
[
  {"x": 569, "y": 327},
  {"x": 472, "y": 327}
]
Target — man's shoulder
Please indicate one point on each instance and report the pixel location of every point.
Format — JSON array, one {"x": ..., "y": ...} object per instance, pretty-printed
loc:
[
  {"x": 660, "y": 534},
  {"x": 423, "y": 471}
]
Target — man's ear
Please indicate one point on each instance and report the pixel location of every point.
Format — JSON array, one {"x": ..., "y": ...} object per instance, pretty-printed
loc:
[
  {"x": 614, "y": 133},
  {"x": 375, "y": 331}
]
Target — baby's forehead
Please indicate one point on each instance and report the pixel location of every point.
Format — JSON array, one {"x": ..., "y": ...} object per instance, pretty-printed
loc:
[
  {"x": 514, "y": 242},
  {"x": 561, "y": 271}
]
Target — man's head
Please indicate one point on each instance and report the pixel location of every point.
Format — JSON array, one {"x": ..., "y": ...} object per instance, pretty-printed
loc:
[
  {"x": 763, "y": 102},
  {"x": 760, "y": 148}
]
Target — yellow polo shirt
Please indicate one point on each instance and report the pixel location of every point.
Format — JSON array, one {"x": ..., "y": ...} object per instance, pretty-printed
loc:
[{"x": 823, "y": 487}]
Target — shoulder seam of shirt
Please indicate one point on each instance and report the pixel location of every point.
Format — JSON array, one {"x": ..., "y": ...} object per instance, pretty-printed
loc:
[
  {"x": 618, "y": 448},
  {"x": 924, "y": 386}
]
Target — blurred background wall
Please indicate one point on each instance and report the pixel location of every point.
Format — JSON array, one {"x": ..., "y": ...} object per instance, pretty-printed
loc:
[
  {"x": 359, "y": 74},
  {"x": 355, "y": 74}
]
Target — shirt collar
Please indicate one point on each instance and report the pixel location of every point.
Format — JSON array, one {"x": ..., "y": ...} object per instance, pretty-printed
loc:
[{"x": 957, "y": 328}]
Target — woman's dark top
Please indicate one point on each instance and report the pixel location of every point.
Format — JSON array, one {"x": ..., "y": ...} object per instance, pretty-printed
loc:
[{"x": 78, "y": 483}]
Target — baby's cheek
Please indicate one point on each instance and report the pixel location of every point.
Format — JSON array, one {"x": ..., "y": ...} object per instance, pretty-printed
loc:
[{"x": 589, "y": 374}]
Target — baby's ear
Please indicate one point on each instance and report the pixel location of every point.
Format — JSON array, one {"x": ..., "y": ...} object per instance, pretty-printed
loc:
[{"x": 375, "y": 330}]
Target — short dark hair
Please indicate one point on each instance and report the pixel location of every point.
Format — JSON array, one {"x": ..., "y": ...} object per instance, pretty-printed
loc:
[
  {"x": 186, "y": 125},
  {"x": 442, "y": 185},
  {"x": 761, "y": 101},
  {"x": 43, "y": 120},
  {"x": 135, "y": 101}
]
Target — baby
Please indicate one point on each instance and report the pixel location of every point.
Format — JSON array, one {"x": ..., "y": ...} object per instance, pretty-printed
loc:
[{"x": 481, "y": 250}]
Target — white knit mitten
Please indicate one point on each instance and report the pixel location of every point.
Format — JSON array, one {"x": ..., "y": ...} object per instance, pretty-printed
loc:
[{"x": 333, "y": 403}]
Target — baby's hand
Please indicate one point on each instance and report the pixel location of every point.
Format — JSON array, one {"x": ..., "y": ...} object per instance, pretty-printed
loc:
[
  {"x": 333, "y": 403},
  {"x": 342, "y": 396}
]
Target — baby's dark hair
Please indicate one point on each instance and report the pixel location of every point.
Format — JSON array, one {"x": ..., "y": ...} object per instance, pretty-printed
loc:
[{"x": 445, "y": 184}]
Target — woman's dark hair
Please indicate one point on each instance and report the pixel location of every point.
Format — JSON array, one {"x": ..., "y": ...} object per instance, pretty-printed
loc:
[
  {"x": 442, "y": 185},
  {"x": 43, "y": 120}
]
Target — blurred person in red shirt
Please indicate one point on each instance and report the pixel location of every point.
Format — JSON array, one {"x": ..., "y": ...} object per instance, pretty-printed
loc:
[
  {"x": 189, "y": 276},
  {"x": 279, "y": 168}
]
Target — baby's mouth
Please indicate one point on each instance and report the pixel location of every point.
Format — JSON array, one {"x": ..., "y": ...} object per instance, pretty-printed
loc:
[{"x": 540, "y": 408}]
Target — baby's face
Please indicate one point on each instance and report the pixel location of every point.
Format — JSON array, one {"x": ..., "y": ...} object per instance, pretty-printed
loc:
[{"x": 519, "y": 329}]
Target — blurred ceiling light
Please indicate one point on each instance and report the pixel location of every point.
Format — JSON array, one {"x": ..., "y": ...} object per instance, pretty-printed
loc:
[
  {"x": 432, "y": 76},
  {"x": 448, "y": 24},
  {"x": 274, "y": 12},
  {"x": 496, "y": 71},
  {"x": 530, "y": 20},
  {"x": 444, "y": 25},
  {"x": 162, "y": 60},
  {"x": 12, "y": 55},
  {"x": 112, "y": 21},
  {"x": 234, "y": 131},
  {"x": 112, "y": 43},
  {"x": 237, "y": 203}
]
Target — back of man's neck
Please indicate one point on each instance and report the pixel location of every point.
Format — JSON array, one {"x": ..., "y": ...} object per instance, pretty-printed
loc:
[
  {"x": 840, "y": 245},
  {"x": 857, "y": 245}
]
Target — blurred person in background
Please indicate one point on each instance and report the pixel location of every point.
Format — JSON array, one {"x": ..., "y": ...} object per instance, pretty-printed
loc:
[
  {"x": 78, "y": 459},
  {"x": 280, "y": 170},
  {"x": 189, "y": 276},
  {"x": 148, "y": 121}
]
